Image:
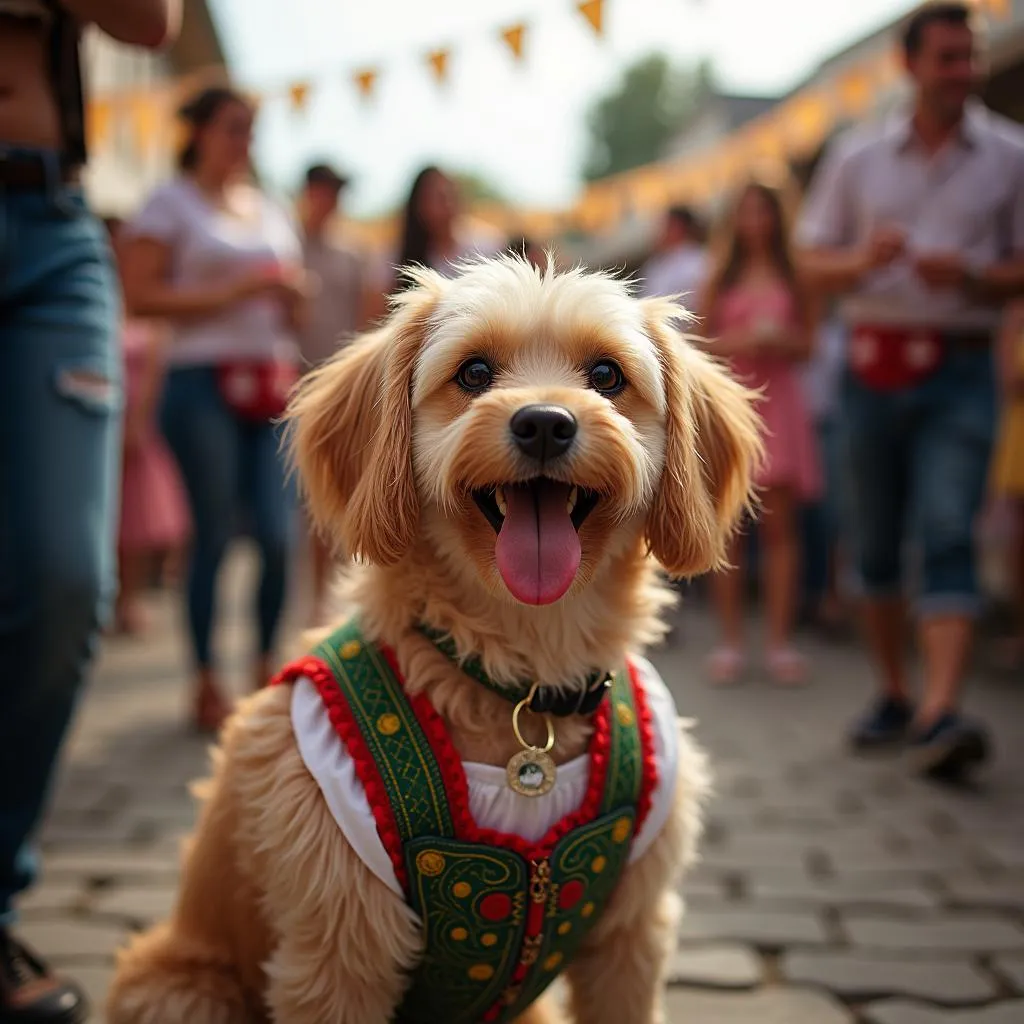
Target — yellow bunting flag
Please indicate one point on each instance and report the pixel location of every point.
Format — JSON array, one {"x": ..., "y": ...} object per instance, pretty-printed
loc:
[
  {"x": 438, "y": 60},
  {"x": 298, "y": 94},
  {"x": 997, "y": 8},
  {"x": 513, "y": 36},
  {"x": 593, "y": 11},
  {"x": 855, "y": 93},
  {"x": 98, "y": 122},
  {"x": 146, "y": 120},
  {"x": 365, "y": 81}
]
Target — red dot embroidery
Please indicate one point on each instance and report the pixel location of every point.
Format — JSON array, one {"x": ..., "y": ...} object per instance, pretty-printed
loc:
[
  {"x": 495, "y": 907},
  {"x": 571, "y": 893}
]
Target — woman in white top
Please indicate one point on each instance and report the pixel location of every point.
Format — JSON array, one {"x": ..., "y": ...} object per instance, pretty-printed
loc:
[{"x": 221, "y": 262}]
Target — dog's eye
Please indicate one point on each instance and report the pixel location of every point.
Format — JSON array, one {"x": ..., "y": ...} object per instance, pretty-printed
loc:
[
  {"x": 607, "y": 378},
  {"x": 474, "y": 375}
]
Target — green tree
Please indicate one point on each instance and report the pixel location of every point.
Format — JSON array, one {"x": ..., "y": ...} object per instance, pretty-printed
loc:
[
  {"x": 474, "y": 187},
  {"x": 631, "y": 125}
]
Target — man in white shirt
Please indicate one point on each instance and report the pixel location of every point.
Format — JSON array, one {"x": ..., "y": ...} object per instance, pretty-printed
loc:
[
  {"x": 917, "y": 225},
  {"x": 679, "y": 261}
]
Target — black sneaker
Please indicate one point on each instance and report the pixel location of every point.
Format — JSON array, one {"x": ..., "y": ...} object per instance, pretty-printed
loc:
[
  {"x": 950, "y": 748},
  {"x": 30, "y": 994},
  {"x": 884, "y": 724}
]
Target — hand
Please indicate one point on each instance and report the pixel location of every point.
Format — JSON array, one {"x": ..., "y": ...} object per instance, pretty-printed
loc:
[
  {"x": 942, "y": 270},
  {"x": 886, "y": 244}
]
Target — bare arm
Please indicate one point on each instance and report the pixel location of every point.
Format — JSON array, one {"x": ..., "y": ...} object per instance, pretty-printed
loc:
[
  {"x": 796, "y": 341},
  {"x": 722, "y": 346},
  {"x": 149, "y": 292},
  {"x": 149, "y": 388},
  {"x": 999, "y": 282},
  {"x": 149, "y": 23},
  {"x": 1008, "y": 355}
]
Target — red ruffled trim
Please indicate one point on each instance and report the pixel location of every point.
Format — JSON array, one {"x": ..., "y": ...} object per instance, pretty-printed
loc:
[
  {"x": 649, "y": 770},
  {"x": 454, "y": 776},
  {"x": 347, "y": 728}
]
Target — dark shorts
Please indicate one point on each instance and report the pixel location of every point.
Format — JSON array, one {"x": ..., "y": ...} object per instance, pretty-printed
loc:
[{"x": 916, "y": 464}]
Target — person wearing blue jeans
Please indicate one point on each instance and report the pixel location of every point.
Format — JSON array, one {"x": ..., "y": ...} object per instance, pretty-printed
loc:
[
  {"x": 60, "y": 398},
  {"x": 228, "y": 464},
  {"x": 917, "y": 223},
  {"x": 60, "y": 403},
  {"x": 221, "y": 263}
]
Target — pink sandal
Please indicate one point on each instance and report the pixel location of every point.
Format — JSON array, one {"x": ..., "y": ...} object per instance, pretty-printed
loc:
[
  {"x": 786, "y": 666},
  {"x": 725, "y": 665}
]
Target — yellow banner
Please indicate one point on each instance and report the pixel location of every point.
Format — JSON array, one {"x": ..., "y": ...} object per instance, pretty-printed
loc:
[
  {"x": 438, "y": 61},
  {"x": 366, "y": 81},
  {"x": 593, "y": 11},
  {"x": 513, "y": 36},
  {"x": 99, "y": 121}
]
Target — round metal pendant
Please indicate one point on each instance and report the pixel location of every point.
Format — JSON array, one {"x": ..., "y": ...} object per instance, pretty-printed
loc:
[{"x": 531, "y": 772}]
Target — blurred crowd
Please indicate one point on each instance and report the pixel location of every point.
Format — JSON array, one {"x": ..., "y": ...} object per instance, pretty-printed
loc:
[{"x": 233, "y": 295}]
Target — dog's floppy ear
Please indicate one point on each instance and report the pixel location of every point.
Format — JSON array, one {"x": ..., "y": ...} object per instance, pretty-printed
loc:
[
  {"x": 350, "y": 426},
  {"x": 712, "y": 449}
]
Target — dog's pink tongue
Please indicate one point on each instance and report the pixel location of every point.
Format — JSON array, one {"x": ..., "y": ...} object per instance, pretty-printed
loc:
[{"x": 538, "y": 549}]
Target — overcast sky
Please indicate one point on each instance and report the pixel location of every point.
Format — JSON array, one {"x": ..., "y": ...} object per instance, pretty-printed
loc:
[{"x": 522, "y": 126}]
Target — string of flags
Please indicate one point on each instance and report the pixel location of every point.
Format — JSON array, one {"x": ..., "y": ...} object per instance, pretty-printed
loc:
[
  {"x": 147, "y": 113},
  {"x": 791, "y": 129}
]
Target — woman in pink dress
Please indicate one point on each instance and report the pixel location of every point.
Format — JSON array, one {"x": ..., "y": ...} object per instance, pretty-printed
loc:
[
  {"x": 759, "y": 320},
  {"x": 154, "y": 520}
]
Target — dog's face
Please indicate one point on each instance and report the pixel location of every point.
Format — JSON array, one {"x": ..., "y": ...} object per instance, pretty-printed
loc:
[{"x": 529, "y": 425}]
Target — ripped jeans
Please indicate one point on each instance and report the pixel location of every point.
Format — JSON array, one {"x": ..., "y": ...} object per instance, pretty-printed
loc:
[{"x": 60, "y": 400}]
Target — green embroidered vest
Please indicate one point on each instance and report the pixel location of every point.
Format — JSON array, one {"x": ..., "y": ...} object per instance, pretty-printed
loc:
[{"x": 502, "y": 916}]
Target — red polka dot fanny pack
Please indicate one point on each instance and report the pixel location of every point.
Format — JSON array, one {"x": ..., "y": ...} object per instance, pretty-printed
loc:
[
  {"x": 257, "y": 391},
  {"x": 892, "y": 358}
]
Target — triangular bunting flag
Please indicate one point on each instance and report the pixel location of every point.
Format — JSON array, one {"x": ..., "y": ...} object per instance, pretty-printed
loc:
[
  {"x": 593, "y": 11},
  {"x": 365, "y": 81},
  {"x": 298, "y": 94},
  {"x": 145, "y": 122},
  {"x": 438, "y": 60},
  {"x": 98, "y": 122},
  {"x": 513, "y": 36}
]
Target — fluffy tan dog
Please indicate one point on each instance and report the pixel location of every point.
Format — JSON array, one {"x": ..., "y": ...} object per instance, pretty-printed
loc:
[{"x": 503, "y": 457}]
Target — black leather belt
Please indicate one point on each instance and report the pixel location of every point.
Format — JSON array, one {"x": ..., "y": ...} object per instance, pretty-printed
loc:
[{"x": 26, "y": 172}]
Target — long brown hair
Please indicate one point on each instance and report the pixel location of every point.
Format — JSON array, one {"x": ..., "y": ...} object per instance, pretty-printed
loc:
[{"x": 731, "y": 256}]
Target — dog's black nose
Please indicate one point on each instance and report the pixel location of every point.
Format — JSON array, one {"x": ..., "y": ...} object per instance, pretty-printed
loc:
[{"x": 543, "y": 431}]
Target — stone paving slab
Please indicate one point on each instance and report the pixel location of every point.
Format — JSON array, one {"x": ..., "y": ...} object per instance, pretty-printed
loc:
[
  {"x": 66, "y": 940},
  {"x": 725, "y": 966},
  {"x": 860, "y": 976},
  {"x": 140, "y": 905},
  {"x": 761, "y": 927},
  {"x": 767, "y": 1006},
  {"x": 959, "y": 932},
  {"x": 1011, "y": 968},
  {"x": 905, "y": 1011}
]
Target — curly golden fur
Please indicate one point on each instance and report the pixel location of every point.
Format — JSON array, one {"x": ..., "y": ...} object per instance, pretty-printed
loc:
[{"x": 278, "y": 920}]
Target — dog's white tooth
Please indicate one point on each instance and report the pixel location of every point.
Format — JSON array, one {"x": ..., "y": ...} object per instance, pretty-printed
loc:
[
  {"x": 499, "y": 499},
  {"x": 571, "y": 503}
]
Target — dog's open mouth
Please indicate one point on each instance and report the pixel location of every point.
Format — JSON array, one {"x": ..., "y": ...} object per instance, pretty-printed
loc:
[{"x": 537, "y": 523}]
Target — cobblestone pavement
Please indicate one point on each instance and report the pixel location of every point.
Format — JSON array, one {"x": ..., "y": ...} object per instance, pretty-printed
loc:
[{"x": 830, "y": 890}]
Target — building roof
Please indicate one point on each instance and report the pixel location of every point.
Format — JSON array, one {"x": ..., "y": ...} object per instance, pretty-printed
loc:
[{"x": 737, "y": 110}]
